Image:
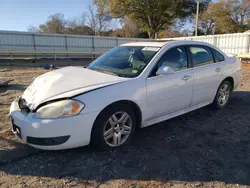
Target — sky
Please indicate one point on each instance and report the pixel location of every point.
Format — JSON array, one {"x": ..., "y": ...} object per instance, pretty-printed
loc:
[{"x": 18, "y": 15}]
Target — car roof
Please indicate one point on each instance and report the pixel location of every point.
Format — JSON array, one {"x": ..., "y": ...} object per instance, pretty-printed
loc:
[
  {"x": 162, "y": 43},
  {"x": 153, "y": 44}
]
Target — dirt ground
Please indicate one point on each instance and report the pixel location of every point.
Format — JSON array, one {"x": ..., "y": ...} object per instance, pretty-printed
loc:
[{"x": 207, "y": 148}]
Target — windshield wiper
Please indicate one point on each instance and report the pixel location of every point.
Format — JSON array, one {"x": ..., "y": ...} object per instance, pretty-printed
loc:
[{"x": 106, "y": 72}]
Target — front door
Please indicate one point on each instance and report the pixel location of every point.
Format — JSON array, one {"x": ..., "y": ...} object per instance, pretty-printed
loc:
[{"x": 168, "y": 93}]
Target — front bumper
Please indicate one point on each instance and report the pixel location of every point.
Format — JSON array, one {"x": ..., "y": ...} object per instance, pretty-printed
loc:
[{"x": 52, "y": 134}]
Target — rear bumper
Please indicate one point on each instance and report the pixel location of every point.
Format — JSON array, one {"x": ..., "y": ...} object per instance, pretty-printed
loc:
[
  {"x": 237, "y": 76},
  {"x": 52, "y": 134}
]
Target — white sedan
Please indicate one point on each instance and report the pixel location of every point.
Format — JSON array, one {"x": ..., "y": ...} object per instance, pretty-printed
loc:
[{"x": 133, "y": 85}]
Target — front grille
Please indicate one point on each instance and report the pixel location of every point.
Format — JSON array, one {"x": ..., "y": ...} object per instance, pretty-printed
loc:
[
  {"x": 51, "y": 141},
  {"x": 23, "y": 105}
]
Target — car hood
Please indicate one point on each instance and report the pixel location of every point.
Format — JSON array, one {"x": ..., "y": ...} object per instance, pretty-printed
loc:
[{"x": 66, "y": 82}]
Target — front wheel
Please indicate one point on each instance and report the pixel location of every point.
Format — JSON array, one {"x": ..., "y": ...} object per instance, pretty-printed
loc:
[
  {"x": 114, "y": 127},
  {"x": 223, "y": 94}
]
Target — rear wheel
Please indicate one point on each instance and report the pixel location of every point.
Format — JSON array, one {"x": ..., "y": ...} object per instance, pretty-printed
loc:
[
  {"x": 223, "y": 94},
  {"x": 114, "y": 127}
]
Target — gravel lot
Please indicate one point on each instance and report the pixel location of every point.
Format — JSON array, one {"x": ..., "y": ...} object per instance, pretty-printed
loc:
[{"x": 208, "y": 149}]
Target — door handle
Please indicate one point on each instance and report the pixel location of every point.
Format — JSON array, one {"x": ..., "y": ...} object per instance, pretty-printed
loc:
[
  {"x": 218, "y": 70},
  {"x": 187, "y": 77}
]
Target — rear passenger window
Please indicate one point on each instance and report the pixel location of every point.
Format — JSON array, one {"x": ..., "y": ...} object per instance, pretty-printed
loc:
[
  {"x": 218, "y": 56},
  {"x": 201, "y": 55}
]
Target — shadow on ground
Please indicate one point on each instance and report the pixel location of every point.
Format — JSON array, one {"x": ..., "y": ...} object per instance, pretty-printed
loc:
[
  {"x": 21, "y": 151},
  {"x": 206, "y": 145},
  {"x": 44, "y": 62},
  {"x": 11, "y": 87}
]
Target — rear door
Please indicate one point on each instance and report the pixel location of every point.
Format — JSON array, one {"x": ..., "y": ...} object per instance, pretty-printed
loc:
[{"x": 207, "y": 74}]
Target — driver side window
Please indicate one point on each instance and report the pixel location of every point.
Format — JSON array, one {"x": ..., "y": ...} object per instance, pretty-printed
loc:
[{"x": 176, "y": 58}]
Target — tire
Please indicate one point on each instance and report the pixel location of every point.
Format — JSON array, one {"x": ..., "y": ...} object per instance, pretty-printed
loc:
[
  {"x": 222, "y": 95},
  {"x": 106, "y": 125}
]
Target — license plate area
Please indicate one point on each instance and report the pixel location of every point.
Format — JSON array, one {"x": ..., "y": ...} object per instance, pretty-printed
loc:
[{"x": 15, "y": 129}]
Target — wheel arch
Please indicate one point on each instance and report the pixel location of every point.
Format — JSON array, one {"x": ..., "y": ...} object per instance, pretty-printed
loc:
[
  {"x": 230, "y": 79},
  {"x": 135, "y": 107}
]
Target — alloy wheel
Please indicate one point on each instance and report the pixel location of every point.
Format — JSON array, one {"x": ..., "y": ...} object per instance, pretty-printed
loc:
[
  {"x": 117, "y": 129},
  {"x": 224, "y": 93}
]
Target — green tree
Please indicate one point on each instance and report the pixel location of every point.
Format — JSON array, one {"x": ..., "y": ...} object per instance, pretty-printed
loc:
[
  {"x": 151, "y": 15},
  {"x": 218, "y": 16},
  {"x": 226, "y": 16},
  {"x": 240, "y": 13},
  {"x": 131, "y": 29}
]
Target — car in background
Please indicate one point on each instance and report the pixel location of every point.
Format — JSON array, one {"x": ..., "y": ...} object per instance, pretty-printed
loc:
[{"x": 132, "y": 86}]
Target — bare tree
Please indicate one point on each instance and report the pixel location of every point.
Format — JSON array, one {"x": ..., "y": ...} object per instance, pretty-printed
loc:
[
  {"x": 77, "y": 21},
  {"x": 33, "y": 29},
  {"x": 79, "y": 26},
  {"x": 103, "y": 19},
  {"x": 95, "y": 21},
  {"x": 55, "y": 24},
  {"x": 99, "y": 19},
  {"x": 92, "y": 21}
]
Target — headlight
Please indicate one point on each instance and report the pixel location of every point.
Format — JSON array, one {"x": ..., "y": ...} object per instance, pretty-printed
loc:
[{"x": 59, "y": 109}]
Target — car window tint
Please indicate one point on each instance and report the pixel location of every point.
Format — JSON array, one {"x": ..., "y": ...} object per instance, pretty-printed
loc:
[
  {"x": 201, "y": 55},
  {"x": 176, "y": 58},
  {"x": 125, "y": 61},
  {"x": 218, "y": 56}
]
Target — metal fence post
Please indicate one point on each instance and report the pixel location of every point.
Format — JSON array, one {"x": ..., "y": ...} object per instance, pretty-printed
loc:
[
  {"x": 93, "y": 47},
  {"x": 11, "y": 57},
  {"x": 116, "y": 41},
  {"x": 215, "y": 41},
  {"x": 34, "y": 43},
  {"x": 66, "y": 46},
  {"x": 54, "y": 54},
  {"x": 248, "y": 44}
]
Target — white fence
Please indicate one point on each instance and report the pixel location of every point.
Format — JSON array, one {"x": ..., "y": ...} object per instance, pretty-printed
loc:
[
  {"x": 238, "y": 43},
  {"x": 26, "y": 44}
]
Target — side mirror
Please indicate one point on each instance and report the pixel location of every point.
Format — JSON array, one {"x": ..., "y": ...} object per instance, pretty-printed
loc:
[{"x": 164, "y": 70}]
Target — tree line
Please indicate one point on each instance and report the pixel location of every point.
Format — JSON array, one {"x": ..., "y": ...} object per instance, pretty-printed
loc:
[
  {"x": 225, "y": 16},
  {"x": 152, "y": 18}
]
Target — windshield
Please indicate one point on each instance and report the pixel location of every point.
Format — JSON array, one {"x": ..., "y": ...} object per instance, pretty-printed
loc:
[{"x": 125, "y": 61}]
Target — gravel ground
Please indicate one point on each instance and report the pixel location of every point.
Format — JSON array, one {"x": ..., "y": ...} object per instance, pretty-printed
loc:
[{"x": 204, "y": 148}]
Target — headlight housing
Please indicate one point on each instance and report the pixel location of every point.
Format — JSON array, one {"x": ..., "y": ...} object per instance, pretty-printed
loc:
[{"x": 64, "y": 108}]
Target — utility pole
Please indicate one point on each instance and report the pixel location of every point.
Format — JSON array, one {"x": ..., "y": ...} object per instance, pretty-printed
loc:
[
  {"x": 197, "y": 17},
  {"x": 213, "y": 28}
]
